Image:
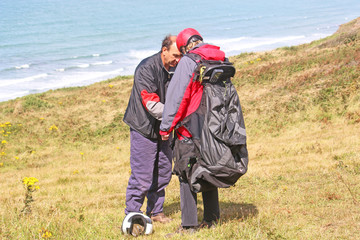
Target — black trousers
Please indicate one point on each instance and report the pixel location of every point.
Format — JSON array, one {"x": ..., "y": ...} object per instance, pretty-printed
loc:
[{"x": 188, "y": 203}]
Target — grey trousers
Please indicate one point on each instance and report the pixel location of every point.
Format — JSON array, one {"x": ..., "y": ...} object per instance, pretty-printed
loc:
[{"x": 188, "y": 203}]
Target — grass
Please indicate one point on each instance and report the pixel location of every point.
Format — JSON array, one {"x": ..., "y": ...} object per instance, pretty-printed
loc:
[{"x": 301, "y": 107}]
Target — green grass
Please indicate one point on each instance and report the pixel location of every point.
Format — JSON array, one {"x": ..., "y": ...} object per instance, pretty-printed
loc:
[{"x": 302, "y": 112}]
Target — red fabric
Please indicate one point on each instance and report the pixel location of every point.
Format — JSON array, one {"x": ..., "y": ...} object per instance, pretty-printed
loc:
[
  {"x": 164, "y": 133},
  {"x": 182, "y": 132},
  {"x": 210, "y": 52},
  {"x": 146, "y": 97},
  {"x": 190, "y": 102}
]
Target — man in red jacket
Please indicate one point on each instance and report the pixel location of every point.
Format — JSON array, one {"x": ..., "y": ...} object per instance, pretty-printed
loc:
[
  {"x": 183, "y": 98},
  {"x": 150, "y": 157}
]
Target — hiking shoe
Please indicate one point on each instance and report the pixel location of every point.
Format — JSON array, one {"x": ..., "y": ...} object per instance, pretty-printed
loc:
[
  {"x": 161, "y": 218},
  {"x": 208, "y": 225},
  {"x": 182, "y": 230}
]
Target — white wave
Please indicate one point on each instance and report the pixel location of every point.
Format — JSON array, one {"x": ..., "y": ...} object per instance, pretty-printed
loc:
[
  {"x": 227, "y": 40},
  {"x": 80, "y": 79},
  {"x": 102, "y": 63},
  {"x": 254, "y": 44},
  {"x": 7, "y": 96},
  {"x": 141, "y": 54},
  {"x": 23, "y": 66},
  {"x": 86, "y": 56},
  {"x": 85, "y": 65},
  {"x": 8, "y": 82},
  {"x": 55, "y": 82}
]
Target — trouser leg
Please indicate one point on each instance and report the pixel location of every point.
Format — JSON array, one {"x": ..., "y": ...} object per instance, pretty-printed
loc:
[
  {"x": 162, "y": 177},
  {"x": 211, "y": 205},
  {"x": 142, "y": 158},
  {"x": 188, "y": 201}
]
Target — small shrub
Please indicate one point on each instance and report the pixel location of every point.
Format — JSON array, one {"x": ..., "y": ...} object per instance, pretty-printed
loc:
[
  {"x": 33, "y": 102},
  {"x": 30, "y": 187}
]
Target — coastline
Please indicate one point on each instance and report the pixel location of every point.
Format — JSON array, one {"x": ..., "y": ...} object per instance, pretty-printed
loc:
[{"x": 54, "y": 80}]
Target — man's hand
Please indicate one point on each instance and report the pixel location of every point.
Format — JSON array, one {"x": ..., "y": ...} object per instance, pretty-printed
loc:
[{"x": 165, "y": 137}]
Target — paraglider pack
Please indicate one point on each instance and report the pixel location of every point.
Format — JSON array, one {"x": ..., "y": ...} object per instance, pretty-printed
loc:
[{"x": 210, "y": 144}]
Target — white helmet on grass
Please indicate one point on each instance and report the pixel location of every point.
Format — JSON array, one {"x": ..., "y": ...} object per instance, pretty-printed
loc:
[{"x": 136, "y": 224}]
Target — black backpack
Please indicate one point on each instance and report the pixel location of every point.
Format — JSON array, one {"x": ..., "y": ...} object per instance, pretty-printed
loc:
[{"x": 216, "y": 155}]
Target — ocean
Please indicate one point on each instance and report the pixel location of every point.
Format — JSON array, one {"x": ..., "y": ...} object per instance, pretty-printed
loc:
[{"x": 51, "y": 44}]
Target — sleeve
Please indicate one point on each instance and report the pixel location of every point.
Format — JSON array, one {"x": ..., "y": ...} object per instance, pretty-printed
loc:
[
  {"x": 177, "y": 99},
  {"x": 151, "y": 102},
  {"x": 147, "y": 86}
]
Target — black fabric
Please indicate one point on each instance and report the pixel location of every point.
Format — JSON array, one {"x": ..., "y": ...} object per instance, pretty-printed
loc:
[
  {"x": 150, "y": 75},
  {"x": 187, "y": 155},
  {"x": 206, "y": 69},
  {"x": 216, "y": 156}
]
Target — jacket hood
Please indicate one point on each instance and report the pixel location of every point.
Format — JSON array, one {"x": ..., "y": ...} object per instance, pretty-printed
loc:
[{"x": 209, "y": 52}]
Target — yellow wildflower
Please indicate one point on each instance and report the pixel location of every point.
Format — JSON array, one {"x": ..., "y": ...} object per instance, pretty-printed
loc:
[
  {"x": 3, "y": 142},
  {"x": 111, "y": 86},
  {"x": 29, "y": 183},
  {"x": 1, "y": 164},
  {"x": 53, "y": 128},
  {"x": 45, "y": 233}
]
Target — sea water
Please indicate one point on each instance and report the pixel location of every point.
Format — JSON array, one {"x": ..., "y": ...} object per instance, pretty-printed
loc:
[{"x": 50, "y": 44}]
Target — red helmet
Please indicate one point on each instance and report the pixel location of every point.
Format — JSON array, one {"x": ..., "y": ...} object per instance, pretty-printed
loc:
[{"x": 186, "y": 36}]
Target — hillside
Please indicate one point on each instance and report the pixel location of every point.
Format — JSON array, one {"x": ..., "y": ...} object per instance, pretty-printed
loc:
[{"x": 302, "y": 112}]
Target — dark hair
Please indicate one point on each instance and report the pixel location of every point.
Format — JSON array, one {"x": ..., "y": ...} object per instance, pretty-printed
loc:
[{"x": 167, "y": 42}]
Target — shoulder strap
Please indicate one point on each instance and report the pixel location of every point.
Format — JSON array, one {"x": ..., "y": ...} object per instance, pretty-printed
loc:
[
  {"x": 198, "y": 60},
  {"x": 195, "y": 57}
]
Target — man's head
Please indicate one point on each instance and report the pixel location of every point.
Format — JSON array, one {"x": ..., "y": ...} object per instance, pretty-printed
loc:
[
  {"x": 187, "y": 39},
  {"x": 170, "y": 55}
]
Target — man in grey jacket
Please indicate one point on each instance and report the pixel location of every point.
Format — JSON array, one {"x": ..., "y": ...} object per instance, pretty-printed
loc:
[{"x": 150, "y": 157}]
